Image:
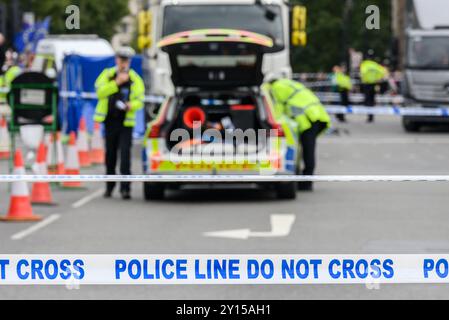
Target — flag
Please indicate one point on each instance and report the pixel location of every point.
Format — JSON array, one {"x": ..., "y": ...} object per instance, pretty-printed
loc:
[
  {"x": 23, "y": 38},
  {"x": 31, "y": 35},
  {"x": 40, "y": 32}
]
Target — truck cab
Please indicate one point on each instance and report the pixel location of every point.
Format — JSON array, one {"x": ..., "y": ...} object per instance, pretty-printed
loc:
[
  {"x": 426, "y": 72},
  {"x": 270, "y": 18}
]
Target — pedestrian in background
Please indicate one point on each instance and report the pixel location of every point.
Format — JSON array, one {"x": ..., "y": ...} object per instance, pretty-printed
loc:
[
  {"x": 302, "y": 105},
  {"x": 344, "y": 85},
  {"x": 120, "y": 93},
  {"x": 371, "y": 74},
  {"x": 10, "y": 71}
]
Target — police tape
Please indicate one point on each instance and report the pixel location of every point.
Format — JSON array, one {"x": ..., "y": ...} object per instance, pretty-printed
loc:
[
  {"x": 76, "y": 270},
  {"x": 93, "y": 96},
  {"x": 315, "y": 75},
  {"x": 334, "y": 109},
  {"x": 359, "y": 98},
  {"x": 234, "y": 178},
  {"x": 318, "y": 84},
  {"x": 388, "y": 110}
]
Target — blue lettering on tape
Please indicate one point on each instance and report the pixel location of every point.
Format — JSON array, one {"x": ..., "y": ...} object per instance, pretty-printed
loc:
[
  {"x": 360, "y": 269},
  {"x": 36, "y": 269},
  {"x": 3, "y": 264},
  {"x": 440, "y": 268}
]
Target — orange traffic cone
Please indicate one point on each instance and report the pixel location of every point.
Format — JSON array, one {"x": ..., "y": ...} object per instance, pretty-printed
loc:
[
  {"x": 83, "y": 145},
  {"x": 50, "y": 153},
  {"x": 55, "y": 155},
  {"x": 97, "y": 151},
  {"x": 72, "y": 166},
  {"x": 41, "y": 192},
  {"x": 60, "y": 168},
  {"x": 20, "y": 206},
  {"x": 5, "y": 145}
]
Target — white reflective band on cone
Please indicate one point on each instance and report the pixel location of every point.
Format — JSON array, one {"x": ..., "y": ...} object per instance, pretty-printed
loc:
[
  {"x": 225, "y": 178},
  {"x": 4, "y": 139},
  {"x": 51, "y": 159},
  {"x": 97, "y": 140},
  {"x": 59, "y": 151},
  {"x": 82, "y": 142},
  {"x": 19, "y": 187},
  {"x": 40, "y": 168},
  {"x": 72, "y": 158}
]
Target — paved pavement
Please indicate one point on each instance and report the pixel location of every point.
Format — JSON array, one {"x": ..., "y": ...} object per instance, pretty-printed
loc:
[{"x": 336, "y": 218}]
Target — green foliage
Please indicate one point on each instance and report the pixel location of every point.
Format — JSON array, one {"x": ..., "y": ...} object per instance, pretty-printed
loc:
[
  {"x": 325, "y": 27},
  {"x": 378, "y": 40},
  {"x": 96, "y": 16}
]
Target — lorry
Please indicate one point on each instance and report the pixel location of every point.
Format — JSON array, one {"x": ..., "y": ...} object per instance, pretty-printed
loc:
[
  {"x": 210, "y": 59},
  {"x": 426, "y": 72},
  {"x": 284, "y": 24}
]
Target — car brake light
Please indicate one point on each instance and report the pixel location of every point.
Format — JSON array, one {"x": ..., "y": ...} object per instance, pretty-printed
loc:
[
  {"x": 271, "y": 121},
  {"x": 155, "y": 131},
  {"x": 278, "y": 130},
  {"x": 243, "y": 107}
]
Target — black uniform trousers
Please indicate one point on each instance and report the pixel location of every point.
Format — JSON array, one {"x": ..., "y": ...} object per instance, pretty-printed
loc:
[
  {"x": 344, "y": 100},
  {"x": 370, "y": 97},
  {"x": 308, "y": 143},
  {"x": 118, "y": 139}
]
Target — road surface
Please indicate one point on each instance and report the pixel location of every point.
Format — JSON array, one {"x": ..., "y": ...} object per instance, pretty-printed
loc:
[{"x": 337, "y": 218}]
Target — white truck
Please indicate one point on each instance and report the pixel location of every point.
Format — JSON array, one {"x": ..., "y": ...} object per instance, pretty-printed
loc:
[
  {"x": 267, "y": 17},
  {"x": 426, "y": 74}
]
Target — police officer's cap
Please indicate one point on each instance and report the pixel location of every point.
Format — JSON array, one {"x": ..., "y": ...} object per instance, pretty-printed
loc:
[{"x": 125, "y": 52}]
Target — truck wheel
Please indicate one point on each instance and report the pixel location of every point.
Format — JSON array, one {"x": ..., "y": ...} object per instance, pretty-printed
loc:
[
  {"x": 286, "y": 190},
  {"x": 410, "y": 126},
  {"x": 153, "y": 191}
]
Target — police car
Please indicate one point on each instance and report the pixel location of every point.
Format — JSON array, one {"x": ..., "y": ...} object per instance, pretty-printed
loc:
[{"x": 221, "y": 119}]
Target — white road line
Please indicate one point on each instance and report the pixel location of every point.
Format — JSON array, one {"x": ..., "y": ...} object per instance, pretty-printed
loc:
[
  {"x": 25, "y": 233},
  {"x": 374, "y": 141},
  {"x": 87, "y": 199}
]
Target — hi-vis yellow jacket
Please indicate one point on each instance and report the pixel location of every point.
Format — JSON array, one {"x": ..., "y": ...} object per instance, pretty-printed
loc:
[
  {"x": 7, "y": 79},
  {"x": 299, "y": 103},
  {"x": 343, "y": 81},
  {"x": 371, "y": 72},
  {"x": 106, "y": 87}
]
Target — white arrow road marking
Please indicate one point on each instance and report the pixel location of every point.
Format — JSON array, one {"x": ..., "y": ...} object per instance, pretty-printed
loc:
[{"x": 281, "y": 225}]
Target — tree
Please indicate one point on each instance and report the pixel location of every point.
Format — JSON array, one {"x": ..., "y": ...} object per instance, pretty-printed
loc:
[
  {"x": 325, "y": 33},
  {"x": 96, "y": 16}
]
